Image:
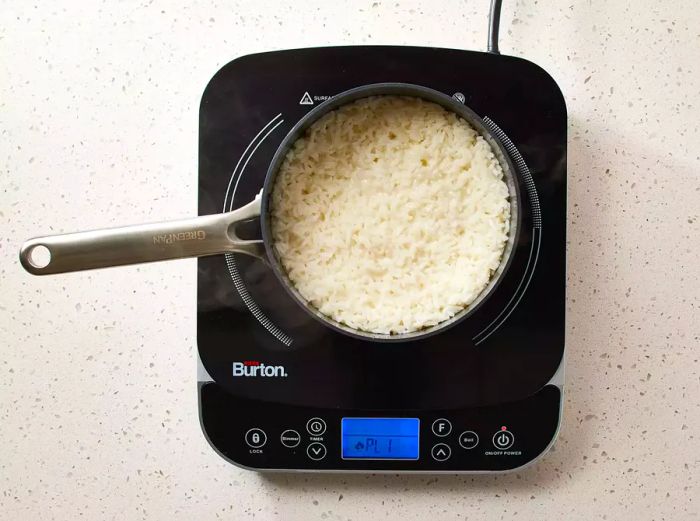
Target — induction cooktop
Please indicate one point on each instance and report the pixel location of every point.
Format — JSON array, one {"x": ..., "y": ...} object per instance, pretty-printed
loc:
[{"x": 279, "y": 390}]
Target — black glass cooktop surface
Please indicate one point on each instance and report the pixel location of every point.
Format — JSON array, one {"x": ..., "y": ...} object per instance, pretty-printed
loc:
[
  {"x": 261, "y": 348},
  {"x": 281, "y": 391}
]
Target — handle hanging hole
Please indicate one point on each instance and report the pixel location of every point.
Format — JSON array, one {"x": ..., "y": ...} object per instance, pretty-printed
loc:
[{"x": 39, "y": 256}]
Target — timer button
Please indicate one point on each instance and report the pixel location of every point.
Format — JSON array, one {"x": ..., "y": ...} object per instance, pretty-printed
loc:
[
  {"x": 468, "y": 439},
  {"x": 255, "y": 438},
  {"x": 503, "y": 439},
  {"x": 316, "y": 426},
  {"x": 442, "y": 427},
  {"x": 316, "y": 451},
  {"x": 441, "y": 452}
]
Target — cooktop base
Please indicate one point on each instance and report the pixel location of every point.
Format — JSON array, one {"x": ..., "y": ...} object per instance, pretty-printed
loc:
[{"x": 279, "y": 391}]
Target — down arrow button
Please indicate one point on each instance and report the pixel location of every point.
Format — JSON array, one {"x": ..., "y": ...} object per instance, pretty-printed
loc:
[{"x": 316, "y": 451}]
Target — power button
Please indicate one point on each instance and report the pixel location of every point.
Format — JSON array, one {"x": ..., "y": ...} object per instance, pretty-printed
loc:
[{"x": 503, "y": 439}]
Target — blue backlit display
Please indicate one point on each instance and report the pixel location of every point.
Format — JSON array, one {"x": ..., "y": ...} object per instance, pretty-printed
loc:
[{"x": 380, "y": 438}]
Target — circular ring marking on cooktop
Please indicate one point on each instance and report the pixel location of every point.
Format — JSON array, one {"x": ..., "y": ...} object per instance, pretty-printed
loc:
[
  {"x": 235, "y": 169},
  {"x": 230, "y": 257},
  {"x": 536, "y": 240}
]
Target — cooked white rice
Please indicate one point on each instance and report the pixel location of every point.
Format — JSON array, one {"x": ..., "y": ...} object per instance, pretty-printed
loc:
[{"x": 390, "y": 215}]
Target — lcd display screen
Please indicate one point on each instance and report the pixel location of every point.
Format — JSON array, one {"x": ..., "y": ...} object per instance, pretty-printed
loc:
[{"x": 380, "y": 438}]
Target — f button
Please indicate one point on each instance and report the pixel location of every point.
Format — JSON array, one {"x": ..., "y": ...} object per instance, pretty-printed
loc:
[{"x": 442, "y": 427}]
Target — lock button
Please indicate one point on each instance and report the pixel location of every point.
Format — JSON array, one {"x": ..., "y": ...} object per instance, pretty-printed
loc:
[{"x": 256, "y": 438}]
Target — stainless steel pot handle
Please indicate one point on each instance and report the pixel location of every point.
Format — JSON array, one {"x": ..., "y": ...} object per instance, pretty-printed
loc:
[{"x": 196, "y": 237}]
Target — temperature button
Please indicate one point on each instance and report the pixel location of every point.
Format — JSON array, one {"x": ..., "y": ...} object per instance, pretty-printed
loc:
[
  {"x": 468, "y": 439},
  {"x": 255, "y": 438},
  {"x": 503, "y": 439}
]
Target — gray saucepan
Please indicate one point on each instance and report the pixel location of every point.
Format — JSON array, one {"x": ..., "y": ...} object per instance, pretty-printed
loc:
[{"x": 216, "y": 234}]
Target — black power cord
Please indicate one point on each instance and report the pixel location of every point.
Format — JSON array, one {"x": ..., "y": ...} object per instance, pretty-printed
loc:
[{"x": 494, "y": 23}]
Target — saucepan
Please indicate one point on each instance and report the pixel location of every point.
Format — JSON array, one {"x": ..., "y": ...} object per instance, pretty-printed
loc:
[{"x": 216, "y": 234}]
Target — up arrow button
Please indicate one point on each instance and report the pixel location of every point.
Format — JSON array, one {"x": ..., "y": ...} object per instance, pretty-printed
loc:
[{"x": 441, "y": 452}]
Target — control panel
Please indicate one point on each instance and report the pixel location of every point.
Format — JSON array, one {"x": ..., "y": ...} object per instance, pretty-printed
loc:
[{"x": 262, "y": 436}]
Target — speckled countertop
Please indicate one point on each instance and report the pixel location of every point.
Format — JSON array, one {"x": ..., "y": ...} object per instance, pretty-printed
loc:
[{"x": 98, "y": 127}]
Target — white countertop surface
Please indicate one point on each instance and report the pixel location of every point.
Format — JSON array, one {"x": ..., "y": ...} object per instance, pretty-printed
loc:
[{"x": 98, "y": 127}]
